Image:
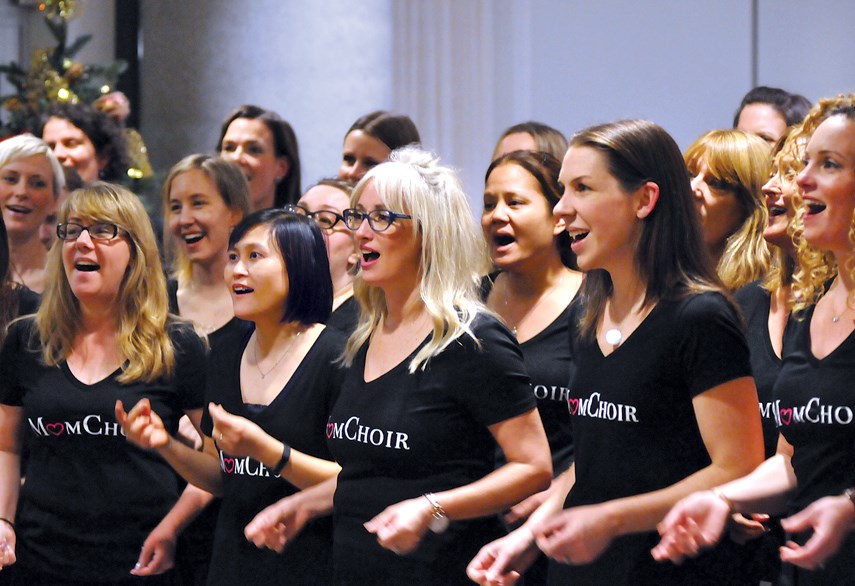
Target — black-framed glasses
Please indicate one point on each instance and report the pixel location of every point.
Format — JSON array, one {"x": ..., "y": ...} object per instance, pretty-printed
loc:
[
  {"x": 97, "y": 231},
  {"x": 378, "y": 220},
  {"x": 326, "y": 219},
  {"x": 296, "y": 209}
]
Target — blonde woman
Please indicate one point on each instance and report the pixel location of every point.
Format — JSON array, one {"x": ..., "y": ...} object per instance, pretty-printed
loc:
[
  {"x": 102, "y": 334},
  {"x": 31, "y": 180},
  {"x": 729, "y": 168},
  {"x": 814, "y": 401},
  {"x": 434, "y": 382}
]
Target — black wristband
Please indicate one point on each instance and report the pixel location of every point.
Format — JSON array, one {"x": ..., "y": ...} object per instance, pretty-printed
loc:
[
  {"x": 9, "y": 523},
  {"x": 286, "y": 455}
]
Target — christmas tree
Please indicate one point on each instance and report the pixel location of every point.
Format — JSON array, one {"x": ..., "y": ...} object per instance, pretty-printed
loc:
[{"x": 54, "y": 76}]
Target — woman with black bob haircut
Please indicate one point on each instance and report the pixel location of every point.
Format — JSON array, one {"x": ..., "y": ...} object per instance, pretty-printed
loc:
[
  {"x": 269, "y": 390},
  {"x": 106, "y": 155},
  {"x": 661, "y": 400},
  {"x": 265, "y": 147}
]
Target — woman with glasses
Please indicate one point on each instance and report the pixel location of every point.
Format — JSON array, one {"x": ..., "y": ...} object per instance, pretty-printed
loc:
[
  {"x": 434, "y": 382},
  {"x": 270, "y": 392},
  {"x": 31, "y": 180},
  {"x": 102, "y": 334},
  {"x": 325, "y": 202}
]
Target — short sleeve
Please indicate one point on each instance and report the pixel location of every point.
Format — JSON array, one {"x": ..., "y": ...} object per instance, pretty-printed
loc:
[
  {"x": 496, "y": 385},
  {"x": 190, "y": 366},
  {"x": 712, "y": 347}
]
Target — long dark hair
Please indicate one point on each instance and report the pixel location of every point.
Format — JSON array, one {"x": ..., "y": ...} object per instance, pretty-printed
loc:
[
  {"x": 393, "y": 130},
  {"x": 671, "y": 256},
  {"x": 284, "y": 145}
]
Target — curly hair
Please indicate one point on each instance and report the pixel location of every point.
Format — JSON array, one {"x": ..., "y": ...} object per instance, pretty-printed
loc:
[
  {"x": 817, "y": 266},
  {"x": 106, "y": 136},
  {"x": 142, "y": 304}
]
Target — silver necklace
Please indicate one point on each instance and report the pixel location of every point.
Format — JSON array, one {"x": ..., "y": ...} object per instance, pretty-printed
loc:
[
  {"x": 281, "y": 358},
  {"x": 546, "y": 294}
]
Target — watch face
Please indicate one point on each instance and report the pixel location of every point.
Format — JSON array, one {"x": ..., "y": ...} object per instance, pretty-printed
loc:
[{"x": 438, "y": 524}]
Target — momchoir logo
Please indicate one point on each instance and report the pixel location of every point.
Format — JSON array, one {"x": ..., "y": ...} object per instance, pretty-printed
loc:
[
  {"x": 811, "y": 412},
  {"x": 91, "y": 425},
  {"x": 596, "y": 408},
  {"x": 354, "y": 431},
  {"x": 551, "y": 393},
  {"x": 244, "y": 466}
]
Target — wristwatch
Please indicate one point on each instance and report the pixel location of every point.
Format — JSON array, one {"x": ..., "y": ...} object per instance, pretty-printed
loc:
[{"x": 439, "y": 521}]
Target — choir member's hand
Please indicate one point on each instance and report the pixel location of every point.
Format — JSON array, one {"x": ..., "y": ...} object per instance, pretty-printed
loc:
[
  {"x": 157, "y": 554},
  {"x": 694, "y": 523},
  {"x": 577, "y": 535},
  {"x": 278, "y": 524},
  {"x": 831, "y": 518},
  {"x": 234, "y": 434},
  {"x": 523, "y": 509},
  {"x": 142, "y": 426},
  {"x": 743, "y": 529},
  {"x": 400, "y": 527},
  {"x": 502, "y": 562},
  {"x": 7, "y": 545}
]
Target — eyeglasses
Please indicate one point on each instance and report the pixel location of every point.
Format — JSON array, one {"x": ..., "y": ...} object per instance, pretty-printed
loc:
[
  {"x": 98, "y": 231},
  {"x": 378, "y": 220},
  {"x": 326, "y": 219},
  {"x": 295, "y": 209}
]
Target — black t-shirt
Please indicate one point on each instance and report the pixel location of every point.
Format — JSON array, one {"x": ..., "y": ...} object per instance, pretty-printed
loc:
[
  {"x": 815, "y": 409},
  {"x": 91, "y": 498},
  {"x": 297, "y": 416},
  {"x": 634, "y": 425},
  {"x": 548, "y": 362},
  {"x": 754, "y": 301},
  {"x": 28, "y": 300},
  {"x": 403, "y": 435},
  {"x": 345, "y": 317}
]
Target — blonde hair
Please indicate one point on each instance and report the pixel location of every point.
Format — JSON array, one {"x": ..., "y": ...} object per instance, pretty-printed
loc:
[
  {"x": 786, "y": 162},
  {"x": 817, "y": 266},
  {"x": 27, "y": 145},
  {"x": 142, "y": 304},
  {"x": 232, "y": 188},
  {"x": 453, "y": 255},
  {"x": 740, "y": 161}
]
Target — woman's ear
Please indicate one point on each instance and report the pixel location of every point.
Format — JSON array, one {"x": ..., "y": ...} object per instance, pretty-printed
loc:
[
  {"x": 648, "y": 196},
  {"x": 284, "y": 168}
]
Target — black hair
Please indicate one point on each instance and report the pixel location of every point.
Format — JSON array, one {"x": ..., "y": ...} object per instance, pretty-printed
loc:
[
  {"x": 105, "y": 133},
  {"x": 393, "y": 130},
  {"x": 301, "y": 244},
  {"x": 793, "y": 107}
]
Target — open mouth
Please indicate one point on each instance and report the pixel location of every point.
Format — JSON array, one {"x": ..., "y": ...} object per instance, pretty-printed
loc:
[
  {"x": 814, "y": 207},
  {"x": 503, "y": 239},
  {"x": 18, "y": 209},
  {"x": 241, "y": 290},
  {"x": 86, "y": 267},
  {"x": 368, "y": 256},
  {"x": 192, "y": 238},
  {"x": 577, "y": 237},
  {"x": 777, "y": 211}
]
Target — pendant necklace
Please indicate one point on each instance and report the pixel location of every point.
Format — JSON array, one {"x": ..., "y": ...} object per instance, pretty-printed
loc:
[
  {"x": 533, "y": 307},
  {"x": 281, "y": 358}
]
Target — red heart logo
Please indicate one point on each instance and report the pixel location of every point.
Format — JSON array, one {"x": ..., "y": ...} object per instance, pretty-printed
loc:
[
  {"x": 786, "y": 416},
  {"x": 330, "y": 428},
  {"x": 229, "y": 465},
  {"x": 573, "y": 405},
  {"x": 55, "y": 428}
]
